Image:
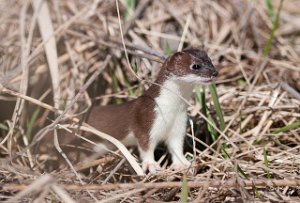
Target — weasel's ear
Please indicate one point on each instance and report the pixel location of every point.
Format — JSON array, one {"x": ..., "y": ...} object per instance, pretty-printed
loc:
[
  {"x": 178, "y": 54},
  {"x": 174, "y": 60}
]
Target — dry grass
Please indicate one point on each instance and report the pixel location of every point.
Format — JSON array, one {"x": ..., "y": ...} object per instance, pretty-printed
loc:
[{"x": 258, "y": 95}]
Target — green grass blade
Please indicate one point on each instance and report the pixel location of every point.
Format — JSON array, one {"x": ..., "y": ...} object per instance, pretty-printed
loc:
[
  {"x": 256, "y": 192},
  {"x": 215, "y": 98},
  {"x": 224, "y": 152},
  {"x": 211, "y": 129},
  {"x": 134, "y": 68},
  {"x": 140, "y": 90},
  {"x": 272, "y": 34},
  {"x": 270, "y": 9},
  {"x": 184, "y": 190},
  {"x": 226, "y": 155},
  {"x": 31, "y": 122},
  {"x": 203, "y": 101},
  {"x": 287, "y": 127},
  {"x": 266, "y": 163},
  {"x": 241, "y": 172},
  {"x": 198, "y": 94},
  {"x": 130, "y": 5},
  {"x": 3, "y": 126},
  {"x": 168, "y": 49},
  {"x": 130, "y": 88},
  {"x": 240, "y": 122},
  {"x": 116, "y": 87}
]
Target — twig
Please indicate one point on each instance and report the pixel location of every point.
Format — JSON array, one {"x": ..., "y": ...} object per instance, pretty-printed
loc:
[
  {"x": 184, "y": 33},
  {"x": 140, "y": 48},
  {"x": 62, "y": 194},
  {"x": 25, "y": 73},
  {"x": 112, "y": 172},
  {"x": 117, "y": 143},
  {"x": 131, "y": 48},
  {"x": 85, "y": 165},
  {"x": 37, "y": 185},
  {"x": 290, "y": 90},
  {"x": 192, "y": 184},
  {"x": 47, "y": 33},
  {"x": 30, "y": 99}
]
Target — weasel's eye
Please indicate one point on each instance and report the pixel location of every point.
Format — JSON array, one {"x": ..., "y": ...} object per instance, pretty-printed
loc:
[{"x": 195, "y": 67}]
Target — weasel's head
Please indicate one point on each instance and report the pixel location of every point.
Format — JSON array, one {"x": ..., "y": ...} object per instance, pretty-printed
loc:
[{"x": 191, "y": 66}]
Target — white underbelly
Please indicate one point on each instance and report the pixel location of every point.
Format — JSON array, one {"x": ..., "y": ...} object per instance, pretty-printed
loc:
[
  {"x": 164, "y": 123},
  {"x": 170, "y": 111}
]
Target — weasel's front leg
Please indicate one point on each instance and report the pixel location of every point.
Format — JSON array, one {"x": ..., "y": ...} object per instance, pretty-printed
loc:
[
  {"x": 175, "y": 143},
  {"x": 148, "y": 161},
  {"x": 175, "y": 146}
]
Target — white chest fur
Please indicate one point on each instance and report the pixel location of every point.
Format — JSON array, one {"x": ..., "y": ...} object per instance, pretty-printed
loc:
[{"x": 170, "y": 110}]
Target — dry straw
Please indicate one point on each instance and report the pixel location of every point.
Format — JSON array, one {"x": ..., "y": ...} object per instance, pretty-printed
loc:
[{"x": 52, "y": 52}]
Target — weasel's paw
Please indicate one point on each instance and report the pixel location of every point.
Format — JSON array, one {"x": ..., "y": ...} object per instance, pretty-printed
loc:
[
  {"x": 181, "y": 166},
  {"x": 153, "y": 167}
]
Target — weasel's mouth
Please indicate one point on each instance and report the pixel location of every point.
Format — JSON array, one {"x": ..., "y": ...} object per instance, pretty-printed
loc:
[
  {"x": 206, "y": 80},
  {"x": 196, "y": 79}
]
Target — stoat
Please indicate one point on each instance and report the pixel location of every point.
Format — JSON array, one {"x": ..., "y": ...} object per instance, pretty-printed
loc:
[{"x": 160, "y": 114}]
